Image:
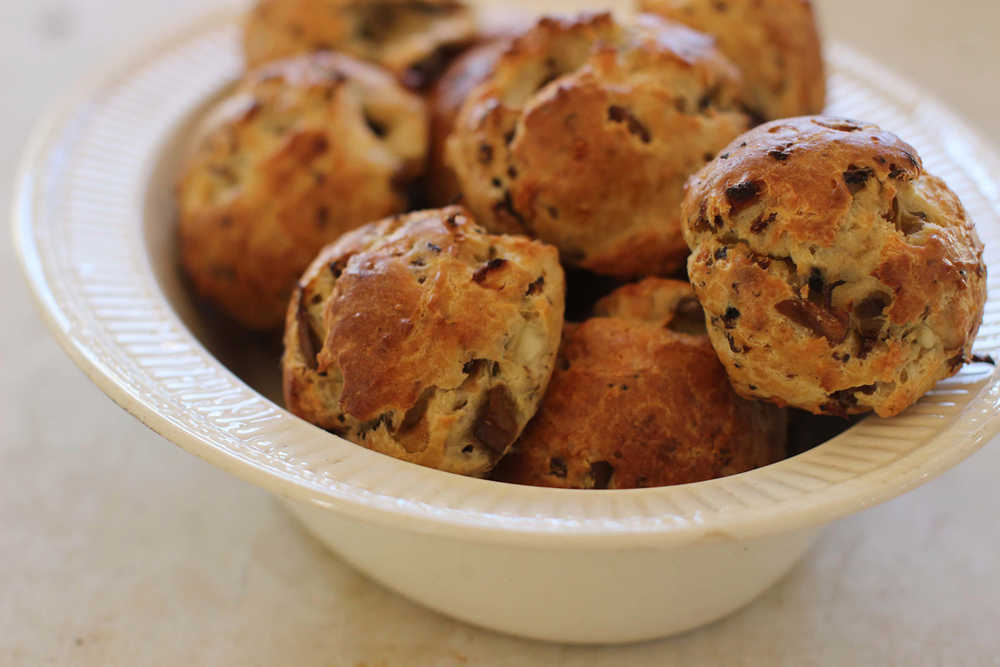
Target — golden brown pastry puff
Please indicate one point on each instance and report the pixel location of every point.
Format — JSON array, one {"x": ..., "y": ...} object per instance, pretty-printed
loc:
[
  {"x": 636, "y": 403},
  {"x": 444, "y": 102},
  {"x": 775, "y": 43},
  {"x": 414, "y": 39},
  {"x": 499, "y": 25},
  {"x": 425, "y": 338},
  {"x": 312, "y": 147},
  {"x": 584, "y": 135},
  {"x": 837, "y": 275}
]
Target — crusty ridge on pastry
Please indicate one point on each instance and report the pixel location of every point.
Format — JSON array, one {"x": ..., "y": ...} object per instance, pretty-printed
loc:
[
  {"x": 425, "y": 338},
  {"x": 775, "y": 43},
  {"x": 836, "y": 274},
  {"x": 411, "y": 38},
  {"x": 585, "y": 132},
  {"x": 309, "y": 148}
]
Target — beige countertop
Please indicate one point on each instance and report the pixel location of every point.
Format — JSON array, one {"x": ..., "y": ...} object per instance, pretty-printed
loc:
[{"x": 117, "y": 548}]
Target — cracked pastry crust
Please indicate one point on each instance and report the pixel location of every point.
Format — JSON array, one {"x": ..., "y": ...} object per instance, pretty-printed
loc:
[
  {"x": 414, "y": 39},
  {"x": 836, "y": 275},
  {"x": 775, "y": 43},
  {"x": 584, "y": 135},
  {"x": 637, "y": 401},
  {"x": 425, "y": 338},
  {"x": 304, "y": 150}
]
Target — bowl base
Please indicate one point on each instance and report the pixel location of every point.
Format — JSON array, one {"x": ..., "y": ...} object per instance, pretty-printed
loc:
[{"x": 569, "y": 595}]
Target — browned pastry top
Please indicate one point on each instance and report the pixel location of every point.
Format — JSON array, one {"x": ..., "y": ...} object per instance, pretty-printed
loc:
[
  {"x": 585, "y": 132},
  {"x": 837, "y": 275},
  {"x": 302, "y": 151},
  {"x": 632, "y": 404},
  {"x": 425, "y": 338}
]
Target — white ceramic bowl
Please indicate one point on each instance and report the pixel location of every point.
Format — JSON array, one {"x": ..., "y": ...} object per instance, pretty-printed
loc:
[{"x": 94, "y": 225}]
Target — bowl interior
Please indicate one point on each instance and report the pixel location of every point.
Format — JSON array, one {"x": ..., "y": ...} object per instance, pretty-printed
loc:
[{"x": 95, "y": 225}]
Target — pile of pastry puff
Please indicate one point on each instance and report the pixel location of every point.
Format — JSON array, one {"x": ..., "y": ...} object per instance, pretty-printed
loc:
[{"x": 727, "y": 254}]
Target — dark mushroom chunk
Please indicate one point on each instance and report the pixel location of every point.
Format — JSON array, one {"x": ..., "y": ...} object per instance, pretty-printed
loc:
[
  {"x": 601, "y": 472},
  {"x": 493, "y": 265},
  {"x": 557, "y": 467},
  {"x": 309, "y": 342},
  {"x": 536, "y": 286},
  {"x": 417, "y": 411},
  {"x": 911, "y": 222},
  {"x": 762, "y": 223},
  {"x": 856, "y": 178},
  {"x": 617, "y": 114},
  {"x": 743, "y": 195},
  {"x": 870, "y": 319},
  {"x": 730, "y": 316},
  {"x": 496, "y": 425},
  {"x": 820, "y": 321}
]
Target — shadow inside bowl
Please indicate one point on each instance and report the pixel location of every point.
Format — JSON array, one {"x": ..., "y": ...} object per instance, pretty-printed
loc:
[{"x": 252, "y": 356}]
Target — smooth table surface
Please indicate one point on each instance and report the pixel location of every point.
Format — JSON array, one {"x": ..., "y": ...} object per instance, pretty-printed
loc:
[{"x": 117, "y": 548}]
